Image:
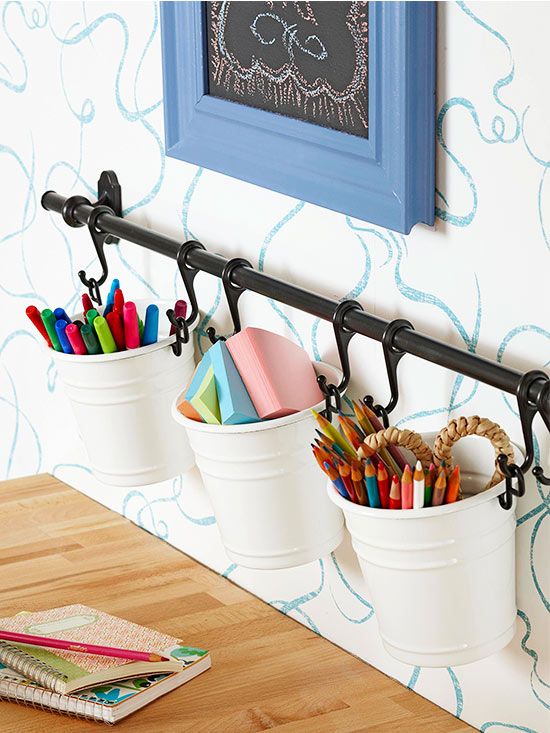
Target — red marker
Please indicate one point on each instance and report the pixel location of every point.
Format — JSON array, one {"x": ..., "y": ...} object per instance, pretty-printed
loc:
[
  {"x": 114, "y": 321},
  {"x": 395, "y": 493},
  {"x": 75, "y": 339},
  {"x": 383, "y": 486},
  {"x": 34, "y": 314},
  {"x": 87, "y": 304},
  {"x": 118, "y": 302},
  {"x": 180, "y": 310},
  {"x": 131, "y": 326}
]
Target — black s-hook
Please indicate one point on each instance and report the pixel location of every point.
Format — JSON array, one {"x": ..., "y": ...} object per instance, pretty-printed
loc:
[{"x": 232, "y": 292}]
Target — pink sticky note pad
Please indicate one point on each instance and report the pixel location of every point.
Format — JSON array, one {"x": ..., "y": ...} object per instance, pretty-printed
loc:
[{"x": 278, "y": 374}]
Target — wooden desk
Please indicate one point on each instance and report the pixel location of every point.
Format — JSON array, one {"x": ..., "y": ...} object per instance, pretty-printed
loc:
[{"x": 269, "y": 672}]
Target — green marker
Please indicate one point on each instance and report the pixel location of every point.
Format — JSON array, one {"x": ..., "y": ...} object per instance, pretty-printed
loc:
[
  {"x": 91, "y": 315},
  {"x": 48, "y": 319},
  {"x": 140, "y": 327},
  {"x": 90, "y": 339},
  {"x": 104, "y": 335}
]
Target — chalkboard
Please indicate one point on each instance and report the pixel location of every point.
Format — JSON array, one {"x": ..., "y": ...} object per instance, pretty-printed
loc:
[{"x": 306, "y": 60}]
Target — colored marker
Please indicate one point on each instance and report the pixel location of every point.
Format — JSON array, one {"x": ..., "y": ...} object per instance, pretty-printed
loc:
[
  {"x": 439, "y": 488},
  {"x": 118, "y": 301},
  {"x": 453, "y": 487},
  {"x": 429, "y": 485},
  {"x": 104, "y": 335},
  {"x": 140, "y": 328},
  {"x": 90, "y": 339},
  {"x": 115, "y": 285},
  {"x": 48, "y": 319},
  {"x": 383, "y": 486},
  {"x": 114, "y": 319},
  {"x": 407, "y": 488},
  {"x": 358, "y": 478},
  {"x": 344, "y": 469},
  {"x": 180, "y": 311},
  {"x": 372, "y": 485},
  {"x": 75, "y": 339},
  {"x": 60, "y": 327},
  {"x": 418, "y": 486},
  {"x": 87, "y": 304},
  {"x": 36, "y": 319},
  {"x": 60, "y": 315},
  {"x": 336, "y": 480},
  {"x": 395, "y": 493},
  {"x": 151, "y": 328},
  {"x": 91, "y": 315},
  {"x": 131, "y": 328}
]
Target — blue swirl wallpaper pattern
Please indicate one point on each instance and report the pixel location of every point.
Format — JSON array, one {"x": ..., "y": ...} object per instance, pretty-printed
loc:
[{"x": 81, "y": 90}]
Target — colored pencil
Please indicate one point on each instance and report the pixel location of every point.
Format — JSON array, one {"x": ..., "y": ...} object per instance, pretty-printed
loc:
[
  {"x": 395, "y": 493},
  {"x": 418, "y": 486},
  {"x": 336, "y": 480},
  {"x": 392, "y": 449},
  {"x": 428, "y": 485},
  {"x": 73, "y": 646},
  {"x": 368, "y": 427},
  {"x": 330, "y": 444},
  {"x": 345, "y": 474},
  {"x": 372, "y": 485},
  {"x": 36, "y": 319},
  {"x": 350, "y": 434},
  {"x": 330, "y": 431},
  {"x": 407, "y": 488},
  {"x": 439, "y": 488},
  {"x": 383, "y": 486},
  {"x": 358, "y": 478},
  {"x": 453, "y": 486}
]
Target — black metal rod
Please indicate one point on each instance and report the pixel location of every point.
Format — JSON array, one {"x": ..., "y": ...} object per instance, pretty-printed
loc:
[{"x": 413, "y": 342}]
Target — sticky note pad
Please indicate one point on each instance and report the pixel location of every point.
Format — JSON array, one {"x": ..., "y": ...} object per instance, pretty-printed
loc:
[
  {"x": 236, "y": 406},
  {"x": 278, "y": 374},
  {"x": 205, "y": 400}
]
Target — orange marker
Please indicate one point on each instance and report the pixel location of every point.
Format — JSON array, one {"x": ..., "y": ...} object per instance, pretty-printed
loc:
[
  {"x": 395, "y": 493},
  {"x": 383, "y": 486},
  {"x": 453, "y": 487},
  {"x": 439, "y": 488},
  {"x": 407, "y": 488},
  {"x": 344, "y": 470},
  {"x": 358, "y": 478}
]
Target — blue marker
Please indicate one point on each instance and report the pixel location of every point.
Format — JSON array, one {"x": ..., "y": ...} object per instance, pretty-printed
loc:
[
  {"x": 151, "y": 327},
  {"x": 60, "y": 327},
  {"x": 60, "y": 315},
  {"x": 111, "y": 297}
]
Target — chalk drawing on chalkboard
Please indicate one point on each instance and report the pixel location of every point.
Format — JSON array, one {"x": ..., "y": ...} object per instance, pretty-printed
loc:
[{"x": 307, "y": 60}]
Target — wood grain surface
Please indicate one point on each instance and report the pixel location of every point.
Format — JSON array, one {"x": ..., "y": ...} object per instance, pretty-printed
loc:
[{"x": 268, "y": 672}]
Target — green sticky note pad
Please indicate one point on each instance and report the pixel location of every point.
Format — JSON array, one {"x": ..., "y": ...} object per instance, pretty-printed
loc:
[{"x": 205, "y": 400}]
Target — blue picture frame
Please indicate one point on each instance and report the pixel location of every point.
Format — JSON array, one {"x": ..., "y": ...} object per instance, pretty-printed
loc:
[{"x": 387, "y": 179}]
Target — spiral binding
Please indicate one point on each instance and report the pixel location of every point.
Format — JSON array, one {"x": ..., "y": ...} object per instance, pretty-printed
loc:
[
  {"x": 37, "y": 697},
  {"x": 32, "y": 668}
]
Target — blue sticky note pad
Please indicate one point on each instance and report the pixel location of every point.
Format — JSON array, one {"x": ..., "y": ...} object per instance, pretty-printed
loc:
[
  {"x": 236, "y": 406},
  {"x": 198, "y": 377}
]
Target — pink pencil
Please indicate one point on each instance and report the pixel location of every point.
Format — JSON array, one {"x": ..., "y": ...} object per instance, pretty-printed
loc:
[{"x": 73, "y": 646}]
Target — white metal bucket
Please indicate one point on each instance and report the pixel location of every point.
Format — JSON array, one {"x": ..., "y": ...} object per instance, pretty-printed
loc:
[
  {"x": 266, "y": 489},
  {"x": 122, "y": 402},
  {"x": 442, "y": 579}
]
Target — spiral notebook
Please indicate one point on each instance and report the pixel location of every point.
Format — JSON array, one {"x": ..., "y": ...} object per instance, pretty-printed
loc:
[
  {"x": 65, "y": 672},
  {"x": 107, "y": 703}
]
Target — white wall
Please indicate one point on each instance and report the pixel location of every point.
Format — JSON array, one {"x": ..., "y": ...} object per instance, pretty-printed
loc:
[{"x": 81, "y": 91}]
